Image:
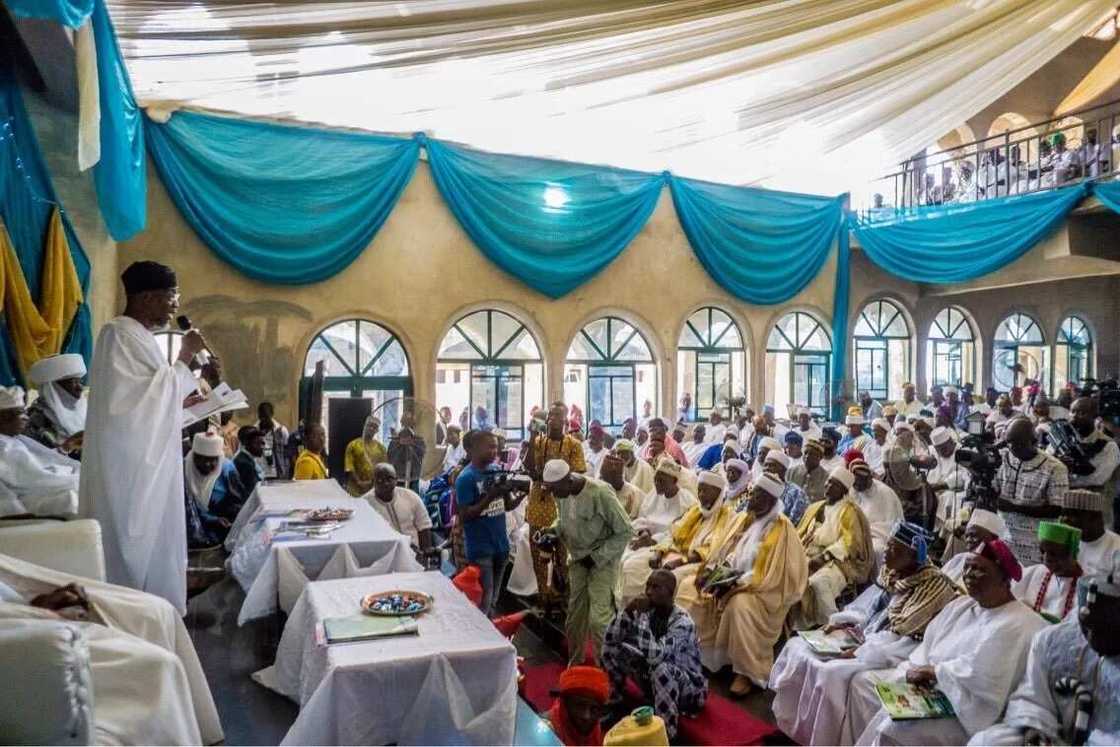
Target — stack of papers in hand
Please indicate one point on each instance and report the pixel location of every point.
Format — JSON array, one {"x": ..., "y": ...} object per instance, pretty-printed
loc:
[
  {"x": 904, "y": 702},
  {"x": 832, "y": 644},
  {"x": 366, "y": 627},
  {"x": 220, "y": 399}
]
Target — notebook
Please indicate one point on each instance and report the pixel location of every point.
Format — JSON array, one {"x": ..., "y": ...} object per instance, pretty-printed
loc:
[
  {"x": 831, "y": 645},
  {"x": 904, "y": 702},
  {"x": 367, "y": 627}
]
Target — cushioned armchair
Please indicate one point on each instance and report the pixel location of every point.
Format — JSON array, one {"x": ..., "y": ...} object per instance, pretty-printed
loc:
[{"x": 66, "y": 546}]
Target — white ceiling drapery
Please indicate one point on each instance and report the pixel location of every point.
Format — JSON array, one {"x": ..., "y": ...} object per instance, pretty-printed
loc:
[{"x": 812, "y": 95}]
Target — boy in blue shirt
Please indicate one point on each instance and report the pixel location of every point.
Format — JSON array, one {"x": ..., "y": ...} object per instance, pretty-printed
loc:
[{"x": 482, "y": 511}]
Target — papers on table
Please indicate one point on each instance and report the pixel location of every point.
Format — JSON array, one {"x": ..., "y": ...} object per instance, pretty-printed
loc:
[
  {"x": 221, "y": 399},
  {"x": 364, "y": 628}
]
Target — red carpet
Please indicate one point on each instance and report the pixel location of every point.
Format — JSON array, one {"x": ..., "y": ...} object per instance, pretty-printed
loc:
[{"x": 721, "y": 721}]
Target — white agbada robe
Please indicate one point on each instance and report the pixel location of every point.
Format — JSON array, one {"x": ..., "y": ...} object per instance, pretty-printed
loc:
[
  {"x": 135, "y": 615},
  {"x": 1057, "y": 591},
  {"x": 132, "y": 476},
  {"x": 883, "y": 510},
  {"x": 35, "y": 479},
  {"x": 1095, "y": 558},
  {"x": 640, "y": 473},
  {"x": 951, "y": 500},
  {"x": 593, "y": 459},
  {"x": 656, "y": 515},
  {"x": 693, "y": 451},
  {"x": 713, "y": 434},
  {"x": 811, "y": 693},
  {"x": 979, "y": 656}
]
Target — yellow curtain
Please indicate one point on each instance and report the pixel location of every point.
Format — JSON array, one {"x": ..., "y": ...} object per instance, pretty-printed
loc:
[
  {"x": 37, "y": 332},
  {"x": 1102, "y": 77}
]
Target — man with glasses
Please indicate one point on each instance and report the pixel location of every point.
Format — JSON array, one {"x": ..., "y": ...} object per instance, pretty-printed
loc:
[{"x": 132, "y": 475}]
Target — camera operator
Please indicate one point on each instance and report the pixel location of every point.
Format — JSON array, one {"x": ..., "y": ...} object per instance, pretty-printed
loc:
[
  {"x": 481, "y": 505},
  {"x": 541, "y": 509},
  {"x": 1030, "y": 485},
  {"x": 1095, "y": 473}
]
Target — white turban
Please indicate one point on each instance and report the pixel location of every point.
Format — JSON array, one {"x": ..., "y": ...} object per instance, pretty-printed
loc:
[
  {"x": 770, "y": 484},
  {"x": 708, "y": 477},
  {"x": 881, "y": 423},
  {"x": 732, "y": 444},
  {"x": 902, "y": 425},
  {"x": 940, "y": 435},
  {"x": 669, "y": 467},
  {"x": 991, "y": 521},
  {"x": 854, "y": 420},
  {"x": 555, "y": 470},
  {"x": 769, "y": 443},
  {"x": 776, "y": 455},
  {"x": 732, "y": 430},
  {"x": 208, "y": 445},
  {"x": 843, "y": 476},
  {"x": 11, "y": 397},
  {"x": 56, "y": 367},
  {"x": 950, "y": 390}
]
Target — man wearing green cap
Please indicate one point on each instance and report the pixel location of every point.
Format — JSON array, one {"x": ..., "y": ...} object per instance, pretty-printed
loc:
[{"x": 1050, "y": 588}]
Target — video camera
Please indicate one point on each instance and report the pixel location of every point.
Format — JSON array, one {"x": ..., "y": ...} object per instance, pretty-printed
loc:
[
  {"x": 979, "y": 454},
  {"x": 507, "y": 481},
  {"x": 1107, "y": 394},
  {"x": 1077, "y": 456}
]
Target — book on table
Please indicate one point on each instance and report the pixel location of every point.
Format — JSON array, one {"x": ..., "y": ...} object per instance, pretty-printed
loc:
[
  {"x": 367, "y": 627},
  {"x": 831, "y": 645},
  {"x": 905, "y": 702}
]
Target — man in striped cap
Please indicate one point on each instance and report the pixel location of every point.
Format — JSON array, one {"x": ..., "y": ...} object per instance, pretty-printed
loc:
[
  {"x": 1070, "y": 693},
  {"x": 879, "y": 503},
  {"x": 810, "y": 476},
  {"x": 1084, "y": 509}
]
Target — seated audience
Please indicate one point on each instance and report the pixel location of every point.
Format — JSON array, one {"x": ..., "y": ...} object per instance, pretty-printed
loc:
[
  {"x": 794, "y": 501},
  {"x": 880, "y": 430},
  {"x": 695, "y": 448},
  {"x": 983, "y": 526},
  {"x": 810, "y": 476},
  {"x": 879, "y": 504},
  {"x": 214, "y": 492},
  {"x": 765, "y": 445},
  {"x": 1050, "y": 587},
  {"x": 716, "y": 428},
  {"x": 974, "y": 652},
  {"x": 658, "y": 428},
  {"x": 635, "y": 471},
  {"x": 909, "y": 404},
  {"x": 888, "y": 619},
  {"x": 1030, "y": 484},
  {"x": 1103, "y": 453},
  {"x": 738, "y": 475},
  {"x": 594, "y": 448},
  {"x": 948, "y": 481},
  {"x": 611, "y": 472},
  {"x": 362, "y": 455},
  {"x": 593, "y": 527},
  {"x": 456, "y": 453},
  {"x": 137, "y": 644},
  {"x": 740, "y": 596},
  {"x": 653, "y": 642},
  {"x": 855, "y": 437},
  {"x": 34, "y": 478},
  {"x": 400, "y": 507},
  {"x": 1000, "y": 416},
  {"x": 793, "y": 444},
  {"x": 57, "y": 419},
  {"x": 1084, "y": 510},
  {"x": 247, "y": 460},
  {"x": 830, "y": 459},
  {"x": 805, "y": 427},
  {"x": 1071, "y": 690},
  {"x": 871, "y": 408},
  {"x": 311, "y": 464},
  {"x": 664, "y": 505},
  {"x": 837, "y": 541},
  {"x": 581, "y": 700}
]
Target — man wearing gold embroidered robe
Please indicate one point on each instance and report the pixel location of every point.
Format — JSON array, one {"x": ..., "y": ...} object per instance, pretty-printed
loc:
[
  {"x": 739, "y": 622},
  {"x": 837, "y": 539},
  {"x": 692, "y": 537}
]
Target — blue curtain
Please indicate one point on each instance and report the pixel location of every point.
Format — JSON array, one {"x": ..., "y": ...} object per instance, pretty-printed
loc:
[
  {"x": 552, "y": 225},
  {"x": 1109, "y": 194},
  {"x": 840, "y": 320},
  {"x": 281, "y": 204},
  {"x": 953, "y": 243},
  {"x": 760, "y": 245},
  {"x": 121, "y": 176},
  {"x": 70, "y": 13},
  {"x": 27, "y": 199}
]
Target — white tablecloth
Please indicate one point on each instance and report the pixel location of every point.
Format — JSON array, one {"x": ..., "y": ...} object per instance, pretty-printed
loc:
[
  {"x": 273, "y": 571},
  {"x": 454, "y": 683}
]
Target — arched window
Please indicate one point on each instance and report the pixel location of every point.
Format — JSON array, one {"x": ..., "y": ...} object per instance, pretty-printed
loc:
[
  {"x": 950, "y": 349},
  {"x": 1019, "y": 352},
  {"x": 610, "y": 372},
  {"x": 882, "y": 350},
  {"x": 710, "y": 362},
  {"x": 797, "y": 361},
  {"x": 1073, "y": 352},
  {"x": 364, "y": 366},
  {"x": 490, "y": 365}
]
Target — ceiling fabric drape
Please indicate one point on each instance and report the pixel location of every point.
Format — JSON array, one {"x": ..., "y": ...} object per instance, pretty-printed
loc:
[{"x": 808, "y": 95}]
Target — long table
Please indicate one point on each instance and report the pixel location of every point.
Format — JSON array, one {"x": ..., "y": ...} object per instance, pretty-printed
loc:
[
  {"x": 453, "y": 683},
  {"x": 273, "y": 568}
]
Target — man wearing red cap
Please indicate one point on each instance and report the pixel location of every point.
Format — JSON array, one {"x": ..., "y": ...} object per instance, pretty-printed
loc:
[{"x": 581, "y": 700}]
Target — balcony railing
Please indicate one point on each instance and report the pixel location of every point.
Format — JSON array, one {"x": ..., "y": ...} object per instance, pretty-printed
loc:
[{"x": 1084, "y": 144}]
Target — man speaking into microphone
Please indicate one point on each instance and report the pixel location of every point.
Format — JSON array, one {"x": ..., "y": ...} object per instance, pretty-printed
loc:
[{"x": 132, "y": 473}]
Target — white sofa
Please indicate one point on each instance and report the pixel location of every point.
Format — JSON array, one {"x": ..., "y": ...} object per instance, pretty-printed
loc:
[{"x": 66, "y": 546}]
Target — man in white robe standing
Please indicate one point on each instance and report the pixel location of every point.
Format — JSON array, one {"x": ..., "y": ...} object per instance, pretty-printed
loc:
[{"x": 132, "y": 476}]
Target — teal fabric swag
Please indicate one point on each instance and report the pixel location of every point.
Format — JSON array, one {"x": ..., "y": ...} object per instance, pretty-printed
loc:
[
  {"x": 760, "y": 245},
  {"x": 552, "y": 225},
  {"x": 282, "y": 204}
]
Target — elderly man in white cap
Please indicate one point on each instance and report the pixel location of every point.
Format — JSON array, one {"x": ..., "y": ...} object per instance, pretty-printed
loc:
[
  {"x": 879, "y": 504},
  {"x": 855, "y": 438},
  {"x": 880, "y": 442},
  {"x": 593, "y": 526},
  {"x": 1084, "y": 510},
  {"x": 33, "y": 478},
  {"x": 837, "y": 541},
  {"x": 805, "y": 427},
  {"x": 949, "y": 481},
  {"x": 793, "y": 498},
  {"x": 661, "y": 507},
  {"x": 636, "y": 471},
  {"x": 765, "y": 446},
  {"x": 740, "y": 596},
  {"x": 688, "y": 540},
  {"x": 214, "y": 488},
  {"x": 57, "y": 418}
]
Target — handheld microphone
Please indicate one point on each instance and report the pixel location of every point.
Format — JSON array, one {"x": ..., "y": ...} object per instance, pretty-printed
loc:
[{"x": 184, "y": 323}]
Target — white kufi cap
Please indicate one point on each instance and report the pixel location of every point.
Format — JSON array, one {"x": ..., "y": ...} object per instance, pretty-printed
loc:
[
  {"x": 940, "y": 435},
  {"x": 708, "y": 477},
  {"x": 11, "y": 397},
  {"x": 207, "y": 444},
  {"x": 555, "y": 470},
  {"x": 776, "y": 455},
  {"x": 770, "y": 484},
  {"x": 843, "y": 476}
]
